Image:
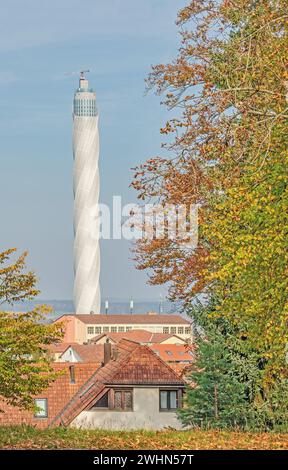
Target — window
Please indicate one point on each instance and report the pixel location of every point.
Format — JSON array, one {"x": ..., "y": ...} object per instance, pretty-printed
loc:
[
  {"x": 105, "y": 329},
  {"x": 180, "y": 330},
  {"x": 113, "y": 329},
  {"x": 123, "y": 400},
  {"x": 98, "y": 330},
  {"x": 121, "y": 329},
  {"x": 41, "y": 408},
  {"x": 169, "y": 353},
  {"x": 168, "y": 400},
  {"x": 173, "y": 330},
  {"x": 187, "y": 330},
  {"x": 90, "y": 330},
  {"x": 72, "y": 374},
  {"x": 103, "y": 402},
  {"x": 128, "y": 328},
  {"x": 166, "y": 329}
]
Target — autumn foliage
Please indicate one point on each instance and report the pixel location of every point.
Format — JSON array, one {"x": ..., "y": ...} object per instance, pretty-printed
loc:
[
  {"x": 24, "y": 437},
  {"x": 227, "y": 89}
]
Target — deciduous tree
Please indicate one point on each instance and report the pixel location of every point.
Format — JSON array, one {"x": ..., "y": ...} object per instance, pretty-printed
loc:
[
  {"x": 227, "y": 89},
  {"x": 25, "y": 368}
]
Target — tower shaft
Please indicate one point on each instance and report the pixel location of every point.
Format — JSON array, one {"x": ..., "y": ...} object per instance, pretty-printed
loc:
[{"x": 86, "y": 199}]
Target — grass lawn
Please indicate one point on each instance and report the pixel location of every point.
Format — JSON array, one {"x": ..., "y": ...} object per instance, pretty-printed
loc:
[{"x": 26, "y": 437}]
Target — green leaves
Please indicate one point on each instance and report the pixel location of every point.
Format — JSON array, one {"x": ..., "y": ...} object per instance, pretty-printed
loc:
[
  {"x": 25, "y": 369},
  {"x": 226, "y": 384},
  {"x": 228, "y": 90}
]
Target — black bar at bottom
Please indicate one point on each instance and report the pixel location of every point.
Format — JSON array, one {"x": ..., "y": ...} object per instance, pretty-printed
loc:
[{"x": 128, "y": 459}]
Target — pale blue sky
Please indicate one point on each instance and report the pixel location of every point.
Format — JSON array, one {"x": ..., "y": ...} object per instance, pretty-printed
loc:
[{"x": 39, "y": 42}]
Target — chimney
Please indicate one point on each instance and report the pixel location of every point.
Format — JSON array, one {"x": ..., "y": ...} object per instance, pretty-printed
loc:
[
  {"x": 107, "y": 351},
  {"x": 115, "y": 354}
]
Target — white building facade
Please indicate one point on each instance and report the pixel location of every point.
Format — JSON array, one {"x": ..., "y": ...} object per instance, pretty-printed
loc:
[
  {"x": 148, "y": 410},
  {"x": 86, "y": 198}
]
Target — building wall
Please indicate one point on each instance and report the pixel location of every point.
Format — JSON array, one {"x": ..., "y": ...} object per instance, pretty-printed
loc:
[
  {"x": 75, "y": 330},
  {"x": 69, "y": 323},
  {"x": 145, "y": 415},
  {"x": 161, "y": 328},
  {"x": 80, "y": 332}
]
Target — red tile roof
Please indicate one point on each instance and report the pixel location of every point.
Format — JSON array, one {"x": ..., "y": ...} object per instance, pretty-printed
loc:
[
  {"x": 139, "y": 319},
  {"x": 58, "y": 347},
  {"x": 173, "y": 352},
  {"x": 88, "y": 352},
  {"x": 135, "y": 364},
  {"x": 140, "y": 336},
  {"x": 57, "y": 394},
  {"x": 142, "y": 367}
]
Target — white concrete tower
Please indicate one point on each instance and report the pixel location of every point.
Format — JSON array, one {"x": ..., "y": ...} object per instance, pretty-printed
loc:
[{"x": 86, "y": 196}]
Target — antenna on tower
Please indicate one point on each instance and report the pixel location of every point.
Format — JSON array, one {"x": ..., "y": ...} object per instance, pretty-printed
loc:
[
  {"x": 82, "y": 73},
  {"x": 78, "y": 72}
]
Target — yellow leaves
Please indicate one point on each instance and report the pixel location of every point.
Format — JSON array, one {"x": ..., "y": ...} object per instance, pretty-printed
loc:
[
  {"x": 16, "y": 285},
  {"x": 68, "y": 438}
]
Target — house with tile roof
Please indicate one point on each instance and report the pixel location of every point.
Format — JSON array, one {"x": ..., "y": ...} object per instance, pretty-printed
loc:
[
  {"x": 132, "y": 388},
  {"x": 82, "y": 328}
]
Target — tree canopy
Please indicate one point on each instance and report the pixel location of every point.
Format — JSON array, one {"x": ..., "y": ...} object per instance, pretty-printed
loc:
[
  {"x": 227, "y": 88},
  {"x": 25, "y": 368}
]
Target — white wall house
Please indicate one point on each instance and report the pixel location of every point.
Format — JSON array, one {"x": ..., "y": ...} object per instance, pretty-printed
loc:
[
  {"x": 150, "y": 408},
  {"x": 132, "y": 389}
]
